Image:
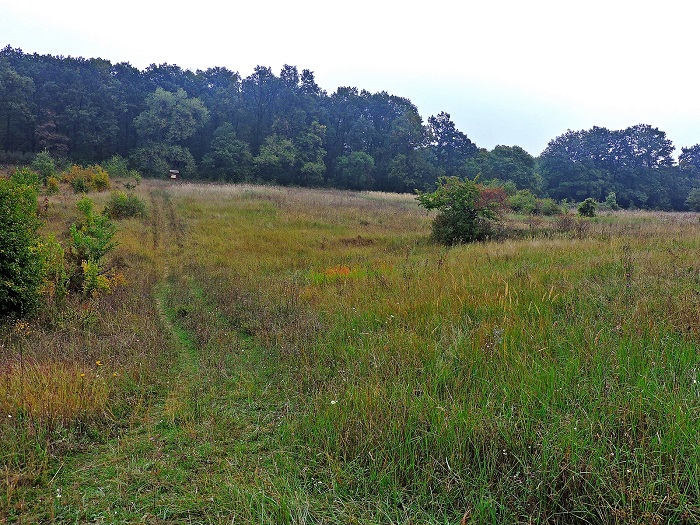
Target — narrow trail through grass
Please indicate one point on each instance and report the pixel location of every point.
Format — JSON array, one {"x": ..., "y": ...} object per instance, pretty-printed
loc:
[
  {"x": 200, "y": 450},
  {"x": 314, "y": 360}
]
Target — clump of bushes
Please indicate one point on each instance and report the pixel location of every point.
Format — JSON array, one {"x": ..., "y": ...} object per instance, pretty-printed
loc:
[
  {"x": 124, "y": 206},
  {"x": 611, "y": 201},
  {"x": 588, "y": 208},
  {"x": 52, "y": 185},
  {"x": 84, "y": 180},
  {"x": 20, "y": 263},
  {"x": 36, "y": 270},
  {"x": 526, "y": 202},
  {"x": 468, "y": 211},
  {"x": 118, "y": 167},
  {"x": 92, "y": 238},
  {"x": 44, "y": 165}
]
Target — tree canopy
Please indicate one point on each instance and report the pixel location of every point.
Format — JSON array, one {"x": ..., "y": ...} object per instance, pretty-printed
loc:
[{"x": 216, "y": 124}]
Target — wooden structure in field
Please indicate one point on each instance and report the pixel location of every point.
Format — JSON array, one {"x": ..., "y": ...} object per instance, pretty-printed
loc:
[{"x": 174, "y": 174}]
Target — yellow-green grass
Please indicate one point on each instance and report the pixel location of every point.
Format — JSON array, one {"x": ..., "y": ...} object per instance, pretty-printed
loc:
[{"x": 308, "y": 356}]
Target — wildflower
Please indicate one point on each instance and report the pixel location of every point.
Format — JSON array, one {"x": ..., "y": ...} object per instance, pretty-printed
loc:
[
  {"x": 22, "y": 328},
  {"x": 333, "y": 402},
  {"x": 98, "y": 362},
  {"x": 82, "y": 375}
]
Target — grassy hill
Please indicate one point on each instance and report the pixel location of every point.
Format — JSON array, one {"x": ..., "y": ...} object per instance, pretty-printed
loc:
[{"x": 307, "y": 356}]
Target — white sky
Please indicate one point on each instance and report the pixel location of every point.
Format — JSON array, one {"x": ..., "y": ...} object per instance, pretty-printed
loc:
[{"x": 508, "y": 71}]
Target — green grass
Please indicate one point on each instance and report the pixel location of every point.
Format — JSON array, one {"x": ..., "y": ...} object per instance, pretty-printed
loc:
[{"x": 303, "y": 356}]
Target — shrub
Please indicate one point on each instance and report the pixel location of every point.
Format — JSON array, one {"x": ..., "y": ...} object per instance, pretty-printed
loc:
[
  {"x": 44, "y": 165},
  {"x": 92, "y": 236},
  {"x": 467, "y": 211},
  {"x": 20, "y": 261},
  {"x": 94, "y": 282},
  {"x": 117, "y": 166},
  {"x": 84, "y": 180},
  {"x": 54, "y": 278},
  {"x": 100, "y": 179},
  {"x": 124, "y": 206},
  {"x": 91, "y": 239},
  {"x": 524, "y": 201},
  {"x": 588, "y": 208},
  {"x": 611, "y": 201},
  {"x": 549, "y": 207},
  {"x": 52, "y": 185},
  {"x": 25, "y": 177}
]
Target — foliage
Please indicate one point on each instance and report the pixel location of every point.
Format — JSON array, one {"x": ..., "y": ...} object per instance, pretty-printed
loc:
[
  {"x": 94, "y": 281},
  {"x": 164, "y": 117},
  {"x": 229, "y": 159},
  {"x": 123, "y": 206},
  {"x": 355, "y": 170},
  {"x": 170, "y": 117},
  {"x": 511, "y": 164},
  {"x": 52, "y": 186},
  {"x": 92, "y": 238},
  {"x": 588, "y": 208},
  {"x": 118, "y": 166},
  {"x": 693, "y": 200},
  {"x": 467, "y": 212},
  {"x": 44, "y": 165},
  {"x": 611, "y": 201},
  {"x": 159, "y": 159},
  {"x": 549, "y": 207},
  {"x": 524, "y": 201},
  {"x": 92, "y": 235},
  {"x": 85, "y": 180},
  {"x": 635, "y": 163},
  {"x": 20, "y": 262},
  {"x": 449, "y": 146},
  {"x": 54, "y": 287},
  {"x": 25, "y": 177},
  {"x": 17, "y": 107}
]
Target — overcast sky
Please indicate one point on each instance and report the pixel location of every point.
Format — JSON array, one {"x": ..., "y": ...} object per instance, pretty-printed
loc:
[{"x": 510, "y": 72}]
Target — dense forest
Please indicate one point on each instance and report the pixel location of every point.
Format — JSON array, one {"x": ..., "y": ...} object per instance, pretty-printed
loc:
[{"x": 285, "y": 129}]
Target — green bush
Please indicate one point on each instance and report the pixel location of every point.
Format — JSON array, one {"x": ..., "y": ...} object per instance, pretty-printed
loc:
[
  {"x": 524, "y": 201},
  {"x": 124, "y": 206},
  {"x": 92, "y": 236},
  {"x": 467, "y": 211},
  {"x": 44, "y": 165},
  {"x": 25, "y": 176},
  {"x": 54, "y": 286},
  {"x": 117, "y": 166},
  {"x": 549, "y": 207},
  {"x": 20, "y": 261},
  {"x": 611, "y": 201},
  {"x": 588, "y": 208}
]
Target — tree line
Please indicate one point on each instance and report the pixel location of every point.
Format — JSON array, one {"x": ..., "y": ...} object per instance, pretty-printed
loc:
[{"x": 283, "y": 128}]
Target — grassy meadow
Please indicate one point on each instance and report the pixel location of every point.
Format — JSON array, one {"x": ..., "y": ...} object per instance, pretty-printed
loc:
[{"x": 295, "y": 356}]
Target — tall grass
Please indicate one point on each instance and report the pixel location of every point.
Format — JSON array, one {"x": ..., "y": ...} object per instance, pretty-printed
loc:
[{"x": 326, "y": 364}]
